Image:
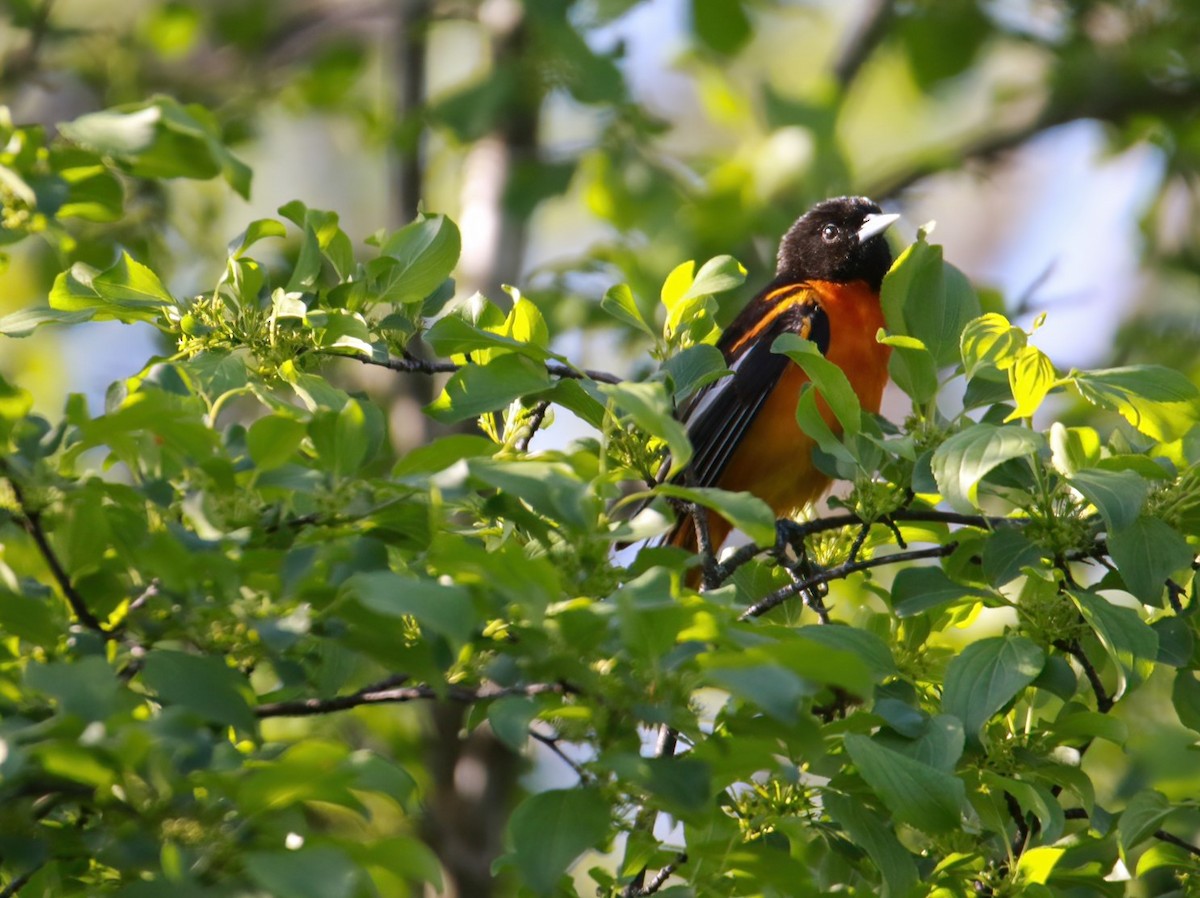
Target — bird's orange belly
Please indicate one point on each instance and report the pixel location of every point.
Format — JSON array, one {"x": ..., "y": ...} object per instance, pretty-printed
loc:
[{"x": 774, "y": 459}]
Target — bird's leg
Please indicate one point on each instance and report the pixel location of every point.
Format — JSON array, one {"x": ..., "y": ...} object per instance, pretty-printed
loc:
[
  {"x": 802, "y": 569},
  {"x": 861, "y": 537}
]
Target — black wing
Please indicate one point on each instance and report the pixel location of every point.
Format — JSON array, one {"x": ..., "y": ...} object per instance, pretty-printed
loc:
[{"x": 721, "y": 414}]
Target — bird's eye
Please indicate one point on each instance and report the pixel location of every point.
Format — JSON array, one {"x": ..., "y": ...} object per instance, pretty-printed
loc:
[{"x": 830, "y": 233}]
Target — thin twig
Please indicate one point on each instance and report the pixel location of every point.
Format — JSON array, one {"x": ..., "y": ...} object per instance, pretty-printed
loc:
[
  {"x": 309, "y": 707},
  {"x": 866, "y": 34},
  {"x": 840, "y": 572},
  {"x": 661, "y": 877},
  {"x": 1104, "y": 702},
  {"x": 31, "y": 520},
  {"x": 800, "y": 530},
  {"x": 668, "y": 741},
  {"x": 19, "y": 882},
  {"x": 414, "y": 365},
  {"x": 536, "y": 416},
  {"x": 552, "y": 743},
  {"x": 1163, "y": 836}
]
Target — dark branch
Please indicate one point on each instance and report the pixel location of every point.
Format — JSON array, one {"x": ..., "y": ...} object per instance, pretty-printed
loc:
[
  {"x": 865, "y": 35},
  {"x": 1104, "y": 702},
  {"x": 799, "y": 531},
  {"x": 840, "y": 572},
  {"x": 19, "y": 882},
  {"x": 387, "y": 693},
  {"x": 31, "y": 520},
  {"x": 536, "y": 416},
  {"x": 1163, "y": 836},
  {"x": 1109, "y": 106},
  {"x": 414, "y": 365},
  {"x": 552, "y": 743},
  {"x": 661, "y": 877}
]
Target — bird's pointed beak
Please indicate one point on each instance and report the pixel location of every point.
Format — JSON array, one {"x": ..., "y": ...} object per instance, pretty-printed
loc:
[{"x": 875, "y": 225}]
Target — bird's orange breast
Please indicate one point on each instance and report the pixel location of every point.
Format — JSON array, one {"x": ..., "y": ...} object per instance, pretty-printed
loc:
[{"x": 774, "y": 459}]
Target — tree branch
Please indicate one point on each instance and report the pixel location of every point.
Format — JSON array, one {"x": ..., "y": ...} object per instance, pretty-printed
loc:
[
  {"x": 552, "y": 743},
  {"x": 840, "y": 572},
  {"x": 414, "y": 365},
  {"x": 1109, "y": 106},
  {"x": 19, "y": 882},
  {"x": 31, "y": 521},
  {"x": 799, "y": 531},
  {"x": 1104, "y": 702},
  {"x": 865, "y": 35},
  {"x": 388, "y": 692}
]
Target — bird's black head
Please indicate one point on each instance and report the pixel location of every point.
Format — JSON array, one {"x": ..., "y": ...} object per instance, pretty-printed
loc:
[{"x": 838, "y": 240}]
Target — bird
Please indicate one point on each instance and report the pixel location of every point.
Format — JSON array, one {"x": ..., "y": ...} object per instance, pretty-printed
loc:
[{"x": 743, "y": 430}]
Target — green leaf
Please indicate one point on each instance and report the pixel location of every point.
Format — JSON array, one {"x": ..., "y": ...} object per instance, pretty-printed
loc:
[
  {"x": 960, "y": 463},
  {"x": 88, "y": 689},
  {"x": 990, "y": 341},
  {"x": 1117, "y": 495},
  {"x": 1005, "y": 553},
  {"x": 550, "y": 488},
  {"x": 915, "y": 793},
  {"x": 130, "y": 284},
  {"x": 510, "y": 717},
  {"x": 1030, "y": 378},
  {"x": 345, "y": 440},
  {"x": 1073, "y": 448},
  {"x": 651, "y": 410},
  {"x": 476, "y": 389},
  {"x": 721, "y": 25},
  {"x": 746, "y": 512},
  {"x": 441, "y": 454},
  {"x": 1036, "y": 864},
  {"x": 161, "y": 139},
  {"x": 1185, "y": 696},
  {"x": 24, "y": 322},
  {"x": 869, "y": 832},
  {"x": 827, "y": 377},
  {"x": 717, "y": 275},
  {"x": 765, "y": 685},
  {"x": 1128, "y": 640},
  {"x": 427, "y": 251},
  {"x": 985, "y": 676},
  {"x": 869, "y": 648},
  {"x": 272, "y": 441},
  {"x": 445, "y": 609},
  {"x": 694, "y": 368},
  {"x": 453, "y": 335},
  {"x": 812, "y": 423},
  {"x": 911, "y": 366},
  {"x": 128, "y": 292},
  {"x": 1147, "y": 552},
  {"x": 30, "y": 618},
  {"x": 1160, "y": 402},
  {"x": 257, "y": 230},
  {"x": 685, "y": 785},
  {"x": 926, "y": 298},
  {"x": 1141, "y": 819},
  {"x": 549, "y": 830},
  {"x": 201, "y": 683},
  {"x": 939, "y": 745},
  {"x": 919, "y": 589},
  {"x": 618, "y": 301},
  {"x": 318, "y": 871}
]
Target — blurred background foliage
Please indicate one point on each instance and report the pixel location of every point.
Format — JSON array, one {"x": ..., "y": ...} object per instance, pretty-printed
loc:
[
  {"x": 579, "y": 144},
  {"x": 1056, "y": 142}
]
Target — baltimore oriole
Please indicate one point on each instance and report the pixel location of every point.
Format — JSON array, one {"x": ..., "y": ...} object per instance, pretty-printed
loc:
[{"x": 743, "y": 427}]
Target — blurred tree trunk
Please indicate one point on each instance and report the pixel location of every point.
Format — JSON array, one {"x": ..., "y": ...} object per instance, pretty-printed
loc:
[
  {"x": 494, "y": 239},
  {"x": 473, "y": 777}
]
